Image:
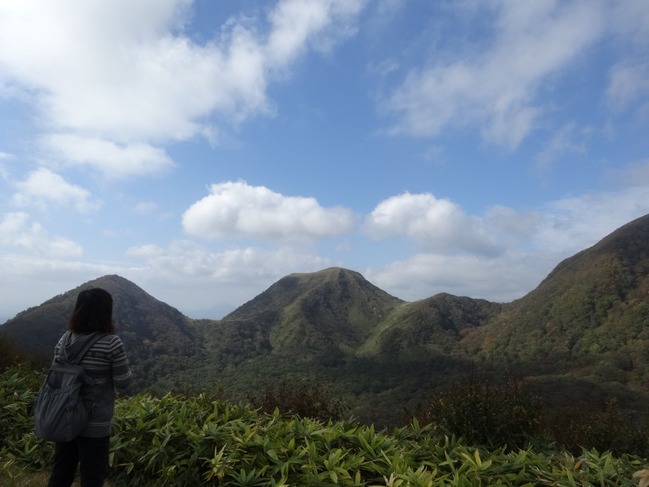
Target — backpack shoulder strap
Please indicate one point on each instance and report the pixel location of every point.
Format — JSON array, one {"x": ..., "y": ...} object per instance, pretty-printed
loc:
[{"x": 91, "y": 341}]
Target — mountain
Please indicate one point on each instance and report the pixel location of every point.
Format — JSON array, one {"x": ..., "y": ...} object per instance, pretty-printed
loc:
[
  {"x": 584, "y": 331},
  {"x": 581, "y": 337},
  {"x": 591, "y": 306},
  {"x": 430, "y": 327},
  {"x": 330, "y": 312},
  {"x": 149, "y": 328}
]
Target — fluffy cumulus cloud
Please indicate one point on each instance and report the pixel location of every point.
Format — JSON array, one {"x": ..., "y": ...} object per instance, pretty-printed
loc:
[
  {"x": 18, "y": 231},
  {"x": 44, "y": 189},
  {"x": 117, "y": 76},
  {"x": 562, "y": 227},
  {"x": 436, "y": 224},
  {"x": 495, "y": 87},
  {"x": 236, "y": 209}
]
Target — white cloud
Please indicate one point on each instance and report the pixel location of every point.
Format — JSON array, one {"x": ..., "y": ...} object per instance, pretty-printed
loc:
[
  {"x": 568, "y": 139},
  {"x": 502, "y": 279},
  {"x": 195, "y": 278},
  {"x": 628, "y": 88},
  {"x": 562, "y": 227},
  {"x": 572, "y": 224},
  {"x": 535, "y": 243},
  {"x": 113, "y": 160},
  {"x": 236, "y": 209},
  {"x": 123, "y": 76},
  {"x": 297, "y": 24},
  {"x": 496, "y": 88},
  {"x": 17, "y": 231},
  {"x": 629, "y": 82},
  {"x": 88, "y": 62},
  {"x": 629, "y": 20},
  {"x": 636, "y": 174},
  {"x": 436, "y": 224},
  {"x": 43, "y": 188},
  {"x": 510, "y": 227},
  {"x": 183, "y": 259},
  {"x": 29, "y": 279}
]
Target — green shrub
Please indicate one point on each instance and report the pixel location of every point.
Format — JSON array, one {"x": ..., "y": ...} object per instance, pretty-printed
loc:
[
  {"x": 8, "y": 354},
  {"x": 306, "y": 399},
  {"x": 484, "y": 413},
  {"x": 178, "y": 441},
  {"x": 18, "y": 388},
  {"x": 613, "y": 429}
]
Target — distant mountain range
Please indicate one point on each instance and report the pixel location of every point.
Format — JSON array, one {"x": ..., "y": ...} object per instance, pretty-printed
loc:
[{"x": 581, "y": 337}]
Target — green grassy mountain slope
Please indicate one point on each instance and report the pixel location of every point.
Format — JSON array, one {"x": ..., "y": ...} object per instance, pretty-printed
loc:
[
  {"x": 149, "y": 328},
  {"x": 430, "y": 327},
  {"x": 332, "y": 311},
  {"x": 592, "y": 306}
]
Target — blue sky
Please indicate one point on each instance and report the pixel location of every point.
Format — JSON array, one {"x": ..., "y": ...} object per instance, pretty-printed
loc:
[{"x": 206, "y": 149}]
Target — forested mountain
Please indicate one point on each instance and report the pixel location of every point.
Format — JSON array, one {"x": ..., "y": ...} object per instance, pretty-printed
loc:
[
  {"x": 330, "y": 312},
  {"x": 592, "y": 310},
  {"x": 581, "y": 335},
  {"x": 430, "y": 327},
  {"x": 149, "y": 328}
]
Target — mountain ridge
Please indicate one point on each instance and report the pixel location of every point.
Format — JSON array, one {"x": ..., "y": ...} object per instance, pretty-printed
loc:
[
  {"x": 147, "y": 326},
  {"x": 584, "y": 327},
  {"x": 588, "y": 289},
  {"x": 329, "y": 311}
]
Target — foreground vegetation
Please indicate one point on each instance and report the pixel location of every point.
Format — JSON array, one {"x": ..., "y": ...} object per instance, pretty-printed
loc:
[{"x": 176, "y": 440}]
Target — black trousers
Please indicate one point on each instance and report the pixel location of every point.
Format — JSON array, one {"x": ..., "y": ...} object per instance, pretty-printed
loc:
[{"x": 91, "y": 454}]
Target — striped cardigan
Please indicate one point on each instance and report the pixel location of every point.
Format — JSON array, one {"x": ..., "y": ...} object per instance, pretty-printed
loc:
[{"x": 105, "y": 362}]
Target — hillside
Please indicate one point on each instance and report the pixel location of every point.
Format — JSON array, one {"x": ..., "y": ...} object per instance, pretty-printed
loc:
[
  {"x": 430, "y": 327},
  {"x": 592, "y": 305},
  {"x": 580, "y": 337},
  {"x": 318, "y": 314},
  {"x": 584, "y": 331},
  {"x": 149, "y": 328}
]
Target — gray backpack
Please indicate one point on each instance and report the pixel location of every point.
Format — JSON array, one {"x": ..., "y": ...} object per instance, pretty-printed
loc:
[{"x": 60, "y": 413}]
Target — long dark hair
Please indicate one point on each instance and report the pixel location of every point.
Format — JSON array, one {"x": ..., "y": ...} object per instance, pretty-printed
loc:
[{"x": 93, "y": 312}]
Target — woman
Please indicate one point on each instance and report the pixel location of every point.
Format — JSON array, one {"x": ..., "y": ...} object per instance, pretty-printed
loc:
[{"x": 105, "y": 362}]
